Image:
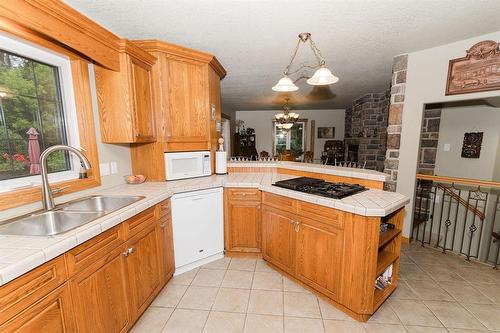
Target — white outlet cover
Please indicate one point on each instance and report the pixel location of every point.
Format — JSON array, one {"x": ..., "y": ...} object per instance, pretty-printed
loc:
[
  {"x": 446, "y": 147},
  {"x": 114, "y": 168},
  {"x": 104, "y": 167}
]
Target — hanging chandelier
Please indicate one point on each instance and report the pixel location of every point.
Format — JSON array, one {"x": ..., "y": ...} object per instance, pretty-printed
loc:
[
  {"x": 286, "y": 119},
  {"x": 321, "y": 77}
]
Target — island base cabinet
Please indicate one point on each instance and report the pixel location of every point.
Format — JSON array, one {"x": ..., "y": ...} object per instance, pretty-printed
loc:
[
  {"x": 278, "y": 238},
  {"x": 51, "y": 314},
  {"x": 143, "y": 268},
  {"x": 319, "y": 256},
  {"x": 100, "y": 295}
]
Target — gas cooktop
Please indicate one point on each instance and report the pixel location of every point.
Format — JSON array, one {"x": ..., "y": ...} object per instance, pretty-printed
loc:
[{"x": 320, "y": 187}]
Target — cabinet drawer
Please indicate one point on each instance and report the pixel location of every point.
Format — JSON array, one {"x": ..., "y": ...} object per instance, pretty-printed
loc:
[
  {"x": 92, "y": 250},
  {"x": 139, "y": 222},
  {"x": 243, "y": 194},
  {"x": 278, "y": 201},
  {"x": 320, "y": 213},
  {"x": 30, "y": 287}
]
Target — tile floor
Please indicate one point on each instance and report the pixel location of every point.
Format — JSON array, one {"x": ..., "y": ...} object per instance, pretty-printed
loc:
[{"x": 437, "y": 293}]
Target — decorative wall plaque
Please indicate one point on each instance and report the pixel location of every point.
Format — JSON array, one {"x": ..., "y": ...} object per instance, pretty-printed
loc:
[
  {"x": 472, "y": 144},
  {"x": 326, "y": 132},
  {"x": 478, "y": 71}
]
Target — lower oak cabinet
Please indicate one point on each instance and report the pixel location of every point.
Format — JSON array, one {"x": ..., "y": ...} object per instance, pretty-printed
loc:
[
  {"x": 101, "y": 286},
  {"x": 242, "y": 220}
]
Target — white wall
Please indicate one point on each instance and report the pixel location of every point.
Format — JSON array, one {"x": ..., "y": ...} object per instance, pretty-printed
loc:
[
  {"x": 107, "y": 153},
  {"x": 455, "y": 121},
  {"x": 261, "y": 121},
  {"x": 426, "y": 83},
  {"x": 496, "y": 167}
]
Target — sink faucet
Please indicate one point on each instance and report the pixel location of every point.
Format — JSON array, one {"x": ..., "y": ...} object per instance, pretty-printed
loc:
[{"x": 47, "y": 199}]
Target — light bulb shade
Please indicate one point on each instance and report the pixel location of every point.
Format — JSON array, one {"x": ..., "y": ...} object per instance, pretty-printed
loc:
[
  {"x": 287, "y": 126},
  {"x": 285, "y": 84},
  {"x": 322, "y": 77}
]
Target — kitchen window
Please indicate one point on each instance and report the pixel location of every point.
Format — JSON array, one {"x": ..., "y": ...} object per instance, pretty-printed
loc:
[
  {"x": 293, "y": 140},
  {"x": 37, "y": 111}
]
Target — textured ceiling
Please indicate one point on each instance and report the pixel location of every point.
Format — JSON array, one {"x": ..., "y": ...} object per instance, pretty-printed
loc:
[{"x": 254, "y": 39}]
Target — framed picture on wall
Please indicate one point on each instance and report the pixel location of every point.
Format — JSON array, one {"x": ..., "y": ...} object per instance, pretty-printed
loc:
[
  {"x": 326, "y": 132},
  {"x": 472, "y": 144}
]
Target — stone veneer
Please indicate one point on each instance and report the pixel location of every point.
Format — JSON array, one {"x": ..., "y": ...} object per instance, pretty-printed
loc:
[
  {"x": 365, "y": 127},
  {"x": 400, "y": 64},
  {"x": 429, "y": 139}
]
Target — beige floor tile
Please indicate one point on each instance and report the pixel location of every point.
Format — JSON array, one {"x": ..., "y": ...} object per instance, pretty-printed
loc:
[
  {"x": 186, "y": 321},
  {"x": 256, "y": 323},
  {"x": 403, "y": 291},
  {"x": 289, "y": 285},
  {"x": 184, "y": 278},
  {"x": 441, "y": 273},
  {"x": 489, "y": 315},
  {"x": 267, "y": 281},
  {"x": 384, "y": 328},
  {"x": 209, "y": 278},
  {"x": 453, "y": 315},
  {"x": 199, "y": 298},
  {"x": 492, "y": 291},
  {"x": 412, "y": 271},
  {"x": 335, "y": 326},
  {"x": 232, "y": 300},
  {"x": 473, "y": 275},
  {"x": 152, "y": 320},
  {"x": 301, "y": 325},
  {"x": 423, "y": 329},
  {"x": 413, "y": 312},
  {"x": 242, "y": 264},
  {"x": 238, "y": 279},
  {"x": 224, "y": 322},
  {"x": 328, "y": 311},
  {"x": 385, "y": 315},
  {"x": 262, "y": 266},
  {"x": 301, "y": 305},
  {"x": 170, "y": 295},
  {"x": 458, "y": 330},
  {"x": 429, "y": 290},
  {"x": 218, "y": 264},
  {"x": 464, "y": 293},
  {"x": 266, "y": 302}
]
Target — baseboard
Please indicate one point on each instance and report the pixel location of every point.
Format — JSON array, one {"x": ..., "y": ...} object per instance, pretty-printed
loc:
[
  {"x": 198, "y": 263},
  {"x": 405, "y": 240}
]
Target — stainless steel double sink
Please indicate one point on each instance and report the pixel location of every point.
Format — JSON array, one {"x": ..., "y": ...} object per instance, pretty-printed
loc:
[{"x": 66, "y": 217}]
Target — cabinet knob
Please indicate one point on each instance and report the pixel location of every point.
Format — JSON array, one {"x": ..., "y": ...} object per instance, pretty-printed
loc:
[
  {"x": 297, "y": 226},
  {"x": 138, "y": 135},
  {"x": 162, "y": 225},
  {"x": 128, "y": 252}
]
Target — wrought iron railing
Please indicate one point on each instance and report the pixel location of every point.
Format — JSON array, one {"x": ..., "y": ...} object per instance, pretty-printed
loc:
[{"x": 458, "y": 215}]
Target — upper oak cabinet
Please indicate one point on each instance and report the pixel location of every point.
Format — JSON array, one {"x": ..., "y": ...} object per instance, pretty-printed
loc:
[
  {"x": 125, "y": 98},
  {"x": 187, "y": 106}
]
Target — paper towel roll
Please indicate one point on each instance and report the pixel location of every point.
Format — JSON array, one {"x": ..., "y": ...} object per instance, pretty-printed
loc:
[{"x": 220, "y": 162}]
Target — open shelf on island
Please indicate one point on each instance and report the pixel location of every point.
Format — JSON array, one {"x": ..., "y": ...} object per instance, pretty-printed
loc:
[
  {"x": 387, "y": 236},
  {"x": 381, "y": 295},
  {"x": 385, "y": 258}
]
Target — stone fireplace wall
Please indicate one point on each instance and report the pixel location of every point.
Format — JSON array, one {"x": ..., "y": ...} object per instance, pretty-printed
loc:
[
  {"x": 429, "y": 139},
  {"x": 366, "y": 128}
]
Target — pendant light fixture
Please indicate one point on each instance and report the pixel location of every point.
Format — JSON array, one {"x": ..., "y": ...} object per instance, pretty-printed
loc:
[
  {"x": 286, "y": 119},
  {"x": 321, "y": 77}
]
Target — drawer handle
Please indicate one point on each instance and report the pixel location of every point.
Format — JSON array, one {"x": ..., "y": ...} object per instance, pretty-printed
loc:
[
  {"x": 297, "y": 226},
  {"x": 162, "y": 225},
  {"x": 128, "y": 252}
]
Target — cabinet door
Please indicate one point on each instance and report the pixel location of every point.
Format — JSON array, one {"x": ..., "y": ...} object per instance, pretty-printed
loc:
[
  {"x": 100, "y": 295},
  {"x": 143, "y": 104},
  {"x": 143, "y": 266},
  {"x": 53, "y": 313},
  {"x": 319, "y": 255},
  {"x": 278, "y": 238},
  {"x": 166, "y": 248},
  {"x": 189, "y": 112},
  {"x": 243, "y": 226}
]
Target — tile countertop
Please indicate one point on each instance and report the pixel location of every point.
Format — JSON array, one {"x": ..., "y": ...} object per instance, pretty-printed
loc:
[
  {"x": 20, "y": 254},
  {"x": 310, "y": 167}
]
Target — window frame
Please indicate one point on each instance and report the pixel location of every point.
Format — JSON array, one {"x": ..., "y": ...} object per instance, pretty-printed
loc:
[
  {"x": 27, "y": 50},
  {"x": 85, "y": 120},
  {"x": 304, "y": 135}
]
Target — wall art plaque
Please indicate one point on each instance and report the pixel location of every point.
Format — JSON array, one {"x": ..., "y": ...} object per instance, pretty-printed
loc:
[{"x": 472, "y": 144}]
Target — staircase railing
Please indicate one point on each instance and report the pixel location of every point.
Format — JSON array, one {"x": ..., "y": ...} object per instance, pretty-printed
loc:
[{"x": 459, "y": 215}]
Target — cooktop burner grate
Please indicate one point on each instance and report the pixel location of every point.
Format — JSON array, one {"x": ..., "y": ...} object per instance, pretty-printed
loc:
[{"x": 320, "y": 187}]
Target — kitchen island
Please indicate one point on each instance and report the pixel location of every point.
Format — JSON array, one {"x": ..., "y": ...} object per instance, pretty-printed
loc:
[{"x": 331, "y": 246}]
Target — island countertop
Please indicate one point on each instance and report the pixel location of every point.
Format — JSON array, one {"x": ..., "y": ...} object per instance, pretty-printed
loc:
[{"x": 20, "y": 254}]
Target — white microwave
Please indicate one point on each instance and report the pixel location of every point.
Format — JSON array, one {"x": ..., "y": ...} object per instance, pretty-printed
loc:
[{"x": 187, "y": 165}]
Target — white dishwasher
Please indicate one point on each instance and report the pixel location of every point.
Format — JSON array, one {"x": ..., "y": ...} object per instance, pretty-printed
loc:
[{"x": 198, "y": 228}]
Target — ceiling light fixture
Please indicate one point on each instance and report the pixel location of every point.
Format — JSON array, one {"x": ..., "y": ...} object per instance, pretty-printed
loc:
[
  {"x": 286, "y": 119},
  {"x": 321, "y": 77}
]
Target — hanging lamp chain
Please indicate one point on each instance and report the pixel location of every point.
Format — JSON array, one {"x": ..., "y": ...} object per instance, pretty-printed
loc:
[{"x": 305, "y": 37}]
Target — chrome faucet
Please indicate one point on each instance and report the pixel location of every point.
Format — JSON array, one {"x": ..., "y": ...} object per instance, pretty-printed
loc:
[{"x": 47, "y": 199}]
